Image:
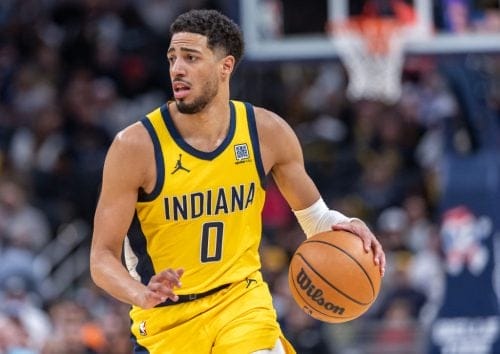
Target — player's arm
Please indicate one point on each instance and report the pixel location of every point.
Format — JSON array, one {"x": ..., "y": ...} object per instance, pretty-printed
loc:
[
  {"x": 127, "y": 168},
  {"x": 282, "y": 156}
]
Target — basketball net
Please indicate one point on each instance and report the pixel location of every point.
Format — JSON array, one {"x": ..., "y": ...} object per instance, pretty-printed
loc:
[{"x": 371, "y": 49}]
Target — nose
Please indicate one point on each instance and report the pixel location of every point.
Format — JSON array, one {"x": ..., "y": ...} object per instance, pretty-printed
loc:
[{"x": 177, "y": 68}]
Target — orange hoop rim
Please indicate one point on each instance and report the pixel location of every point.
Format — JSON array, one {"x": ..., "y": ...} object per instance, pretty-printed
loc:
[{"x": 375, "y": 31}]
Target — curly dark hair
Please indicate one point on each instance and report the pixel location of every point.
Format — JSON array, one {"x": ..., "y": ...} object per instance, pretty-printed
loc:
[{"x": 220, "y": 30}]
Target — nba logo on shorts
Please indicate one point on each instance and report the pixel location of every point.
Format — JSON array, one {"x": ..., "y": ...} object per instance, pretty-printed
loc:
[
  {"x": 241, "y": 152},
  {"x": 142, "y": 328}
]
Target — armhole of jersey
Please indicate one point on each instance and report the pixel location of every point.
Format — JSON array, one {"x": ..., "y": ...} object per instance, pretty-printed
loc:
[
  {"x": 139, "y": 247},
  {"x": 254, "y": 136},
  {"x": 160, "y": 168}
]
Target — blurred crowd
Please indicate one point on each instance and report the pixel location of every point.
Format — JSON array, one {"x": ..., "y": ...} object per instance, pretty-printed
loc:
[{"x": 73, "y": 73}]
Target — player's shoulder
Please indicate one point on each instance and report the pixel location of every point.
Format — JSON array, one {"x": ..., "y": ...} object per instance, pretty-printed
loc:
[
  {"x": 277, "y": 139},
  {"x": 133, "y": 138}
]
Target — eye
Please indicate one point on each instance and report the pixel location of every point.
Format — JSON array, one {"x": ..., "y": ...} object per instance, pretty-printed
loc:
[
  {"x": 171, "y": 59},
  {"x": 191, "y": 58}
]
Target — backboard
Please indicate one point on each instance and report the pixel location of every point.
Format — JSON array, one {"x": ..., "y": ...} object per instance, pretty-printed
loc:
[{"x": 297, "y": 29}]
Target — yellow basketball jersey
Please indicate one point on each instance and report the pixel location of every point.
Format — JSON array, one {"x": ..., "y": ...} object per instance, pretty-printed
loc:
[{"x": 204, "y": 214}]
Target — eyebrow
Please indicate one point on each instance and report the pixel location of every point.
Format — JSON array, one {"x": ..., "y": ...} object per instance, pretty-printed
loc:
[{"x": 184, "y": 49}]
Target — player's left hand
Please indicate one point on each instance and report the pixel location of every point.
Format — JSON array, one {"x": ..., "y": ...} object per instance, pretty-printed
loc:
[
  {"x": 370, "y": 242},
  {"x": 161, "y": 287}
]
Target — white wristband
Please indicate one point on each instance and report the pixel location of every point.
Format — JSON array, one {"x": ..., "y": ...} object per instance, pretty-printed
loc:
[{"x": 318, "y": 218}]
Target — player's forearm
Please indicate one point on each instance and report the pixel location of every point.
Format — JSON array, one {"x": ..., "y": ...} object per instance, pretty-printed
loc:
[{"x": 109, "y": 274}]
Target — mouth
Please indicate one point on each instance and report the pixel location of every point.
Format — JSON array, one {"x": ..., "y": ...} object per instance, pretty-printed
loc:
[{"x": 181, "y": 89}]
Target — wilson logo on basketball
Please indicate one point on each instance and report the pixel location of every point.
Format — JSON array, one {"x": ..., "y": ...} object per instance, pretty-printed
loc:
[{"x": 315, "y": 293}]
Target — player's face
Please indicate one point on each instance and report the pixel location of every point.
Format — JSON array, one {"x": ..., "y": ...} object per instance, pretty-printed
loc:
[{"x": 193, "y": 72}]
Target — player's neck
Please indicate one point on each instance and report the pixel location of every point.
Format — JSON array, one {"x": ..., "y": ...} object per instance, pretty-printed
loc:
[{"x": 207, "y": 129}]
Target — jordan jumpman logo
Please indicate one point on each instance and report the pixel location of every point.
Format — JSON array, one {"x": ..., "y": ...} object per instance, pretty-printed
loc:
[{"x": 178, "y": 166}]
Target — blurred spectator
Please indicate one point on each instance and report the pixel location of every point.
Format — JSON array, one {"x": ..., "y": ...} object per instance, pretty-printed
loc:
[
  {"x": 419, "y": 225},
  {"x": 22, "y": 225},
  {"x": 14, "y": 337},
  {"x": 73, "y": 332},
  {"x": 24, "y": 306},
  {"x": 39, "y": 146},
  {"x": 391, "y": 228},
  {"x": 464, "y": 16},
  {"x": 392, "y": 225},
  {"x": 456, "y": 15},
  {"x": 426, "y": 273},
  {"x": 304, "y": 332},
  {"x": 158, "y": 14},
  {"x": 116, "y": 331},
  {"x": 397, "y": 333},
  {"x": 30, "y": 93},
  {"x": 88, "y": 142},
  {"x": 378, "y": 185},
  {"x": 109, "y": 315},
  {"x": 401, "y": 291}
]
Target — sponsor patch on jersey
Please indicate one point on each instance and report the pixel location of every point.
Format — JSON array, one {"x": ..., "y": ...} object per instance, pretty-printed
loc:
[{"x": 241, "y": 153}]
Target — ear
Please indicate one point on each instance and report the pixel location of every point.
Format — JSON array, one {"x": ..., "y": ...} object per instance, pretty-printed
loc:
[{"x": 227, "y": 66}]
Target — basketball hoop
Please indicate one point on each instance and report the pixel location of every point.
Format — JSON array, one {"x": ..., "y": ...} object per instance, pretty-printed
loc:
[{"x": 371, "y": 49}]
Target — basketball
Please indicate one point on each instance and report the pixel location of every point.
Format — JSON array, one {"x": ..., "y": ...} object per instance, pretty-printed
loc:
[{"x": 332, "y": 278}]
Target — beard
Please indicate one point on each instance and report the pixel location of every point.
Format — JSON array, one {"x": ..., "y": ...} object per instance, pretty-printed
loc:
[{"x": 199, "y": 103}]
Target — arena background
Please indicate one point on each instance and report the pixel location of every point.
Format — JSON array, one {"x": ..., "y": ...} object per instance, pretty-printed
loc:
[{"x": 423, "y": 171}]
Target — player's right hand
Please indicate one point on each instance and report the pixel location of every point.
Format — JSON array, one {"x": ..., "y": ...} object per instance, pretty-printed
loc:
[{"x": 161, "y": 287}]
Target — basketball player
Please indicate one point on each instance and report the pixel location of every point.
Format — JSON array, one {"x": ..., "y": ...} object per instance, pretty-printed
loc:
[{"x": 182, "y": 195}]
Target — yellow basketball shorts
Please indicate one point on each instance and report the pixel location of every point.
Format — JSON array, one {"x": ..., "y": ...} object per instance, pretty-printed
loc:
[{"x": 238, "y": 319}]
